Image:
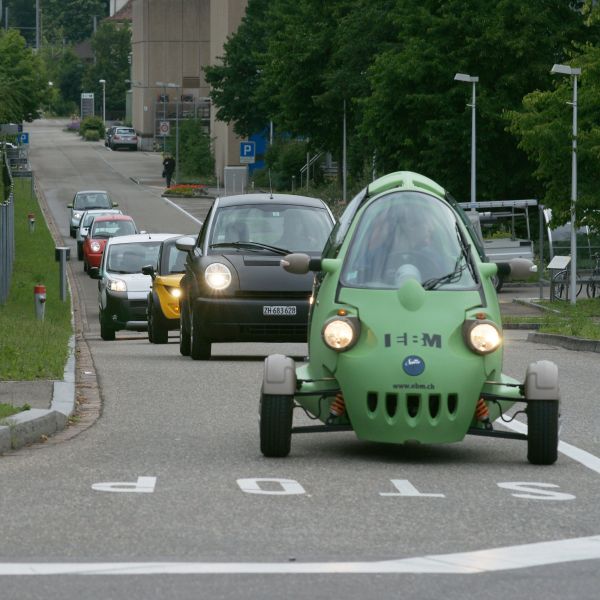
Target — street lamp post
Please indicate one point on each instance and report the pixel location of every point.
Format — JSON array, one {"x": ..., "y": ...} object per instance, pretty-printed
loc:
[
  {"x": 473, "y": 80},
  {"x": 103, "y": 82},
  {"x": 573, "y": 72}
]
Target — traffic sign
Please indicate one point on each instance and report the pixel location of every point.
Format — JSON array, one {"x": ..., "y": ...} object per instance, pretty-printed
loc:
[
  {"x": 247, "y": 153},
  {"x": 24, "y": 138},
  {"x": 165, "y": 128}
]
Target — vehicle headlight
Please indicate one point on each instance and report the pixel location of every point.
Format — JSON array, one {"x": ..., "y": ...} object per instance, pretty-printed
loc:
[
  {"x": 95, "y": 247},
  {"x": 482, "y": 337},
  {"x": 218, "y": 276},
  {"x": 116, "y": 285},
  {"x": 175, "y": 292},
  {"x": 341, "y": 333},
  {"x": 77, "y": 215}
]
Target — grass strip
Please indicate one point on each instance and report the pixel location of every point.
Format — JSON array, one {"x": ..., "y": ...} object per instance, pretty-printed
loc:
[
  {"x": 562, "y": 318},
  {"x": 32, "y": 349}
]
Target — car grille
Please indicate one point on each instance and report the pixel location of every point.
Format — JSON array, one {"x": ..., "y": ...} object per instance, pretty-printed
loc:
[
  {"x": 413, "y": 407},
  {"x": 272, "y": 295}
]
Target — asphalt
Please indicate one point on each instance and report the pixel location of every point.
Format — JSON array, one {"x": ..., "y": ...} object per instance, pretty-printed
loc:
[{"x": 74, "y": 401}]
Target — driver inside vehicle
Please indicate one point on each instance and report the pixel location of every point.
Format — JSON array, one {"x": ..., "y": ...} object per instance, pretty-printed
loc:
[{"x": 394, "y": 242}]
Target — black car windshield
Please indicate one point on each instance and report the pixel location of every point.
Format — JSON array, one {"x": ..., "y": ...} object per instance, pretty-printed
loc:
[
  {"x": 92, "y": 200},
  {"x": 406, "y": 235},
  {"x": 106, "y": 229},
  {"x": 271, "y": 227},
  {"x": 131, "y": 257}
]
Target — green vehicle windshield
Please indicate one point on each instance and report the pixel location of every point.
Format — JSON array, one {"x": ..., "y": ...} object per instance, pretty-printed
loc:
[{"x": 408, "y": 234}]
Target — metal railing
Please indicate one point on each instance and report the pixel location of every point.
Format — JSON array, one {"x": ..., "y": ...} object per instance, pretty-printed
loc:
[{"x": 7, "y": 231}]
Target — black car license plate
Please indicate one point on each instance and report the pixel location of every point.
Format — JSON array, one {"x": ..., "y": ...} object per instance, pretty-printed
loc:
[{"x": 279, "y": 311}]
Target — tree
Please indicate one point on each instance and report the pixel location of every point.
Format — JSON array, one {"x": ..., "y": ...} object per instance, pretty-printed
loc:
[
  {"x": 195, "y": 153},
  {"x": 72, "y": 20},
  {"x": 543, "y": 126},
  {"x": 416, "y": 117},
  {"x": 23, "y": 86},
  {"x": 112, "y": 46}
]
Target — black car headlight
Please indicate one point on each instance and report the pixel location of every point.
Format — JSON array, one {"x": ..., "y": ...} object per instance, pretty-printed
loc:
[
  {"x": 217, "y": 276},
  {"x": 340, "y": 333},
  {"x": 482, "y": 337}
]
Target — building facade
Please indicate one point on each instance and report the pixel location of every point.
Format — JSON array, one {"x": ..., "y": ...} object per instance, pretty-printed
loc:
[{"x": 172, "y": 40}]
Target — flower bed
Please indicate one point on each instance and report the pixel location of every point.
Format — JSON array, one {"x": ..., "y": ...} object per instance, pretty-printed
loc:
[{"x": 186, "y": 190}]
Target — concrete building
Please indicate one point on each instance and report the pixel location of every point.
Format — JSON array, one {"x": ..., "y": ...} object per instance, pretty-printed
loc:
[{"x": 171, "y": 41}]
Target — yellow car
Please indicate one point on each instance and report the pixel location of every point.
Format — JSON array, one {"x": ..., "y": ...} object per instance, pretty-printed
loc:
[{"x": 163, "y": 299}]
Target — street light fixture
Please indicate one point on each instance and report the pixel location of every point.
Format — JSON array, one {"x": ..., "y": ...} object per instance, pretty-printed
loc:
[
  {"x": 572, "y": 72},
  {"x": 471, "y": 79},
  {"x": 103, "y": 82}
]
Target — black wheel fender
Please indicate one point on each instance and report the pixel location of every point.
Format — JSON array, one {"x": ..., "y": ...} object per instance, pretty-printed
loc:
[{"x": 279, "y": 375}]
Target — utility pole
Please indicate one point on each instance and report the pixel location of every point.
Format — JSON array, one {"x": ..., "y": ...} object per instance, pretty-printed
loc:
[{"x": 37, "y": 25}]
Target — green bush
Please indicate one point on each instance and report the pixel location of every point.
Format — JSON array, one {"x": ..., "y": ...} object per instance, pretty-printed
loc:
[
  {"x": 91, "y": 135},
  {"x": 196, "y": 158},
  {"x": 92, "y": 124}
]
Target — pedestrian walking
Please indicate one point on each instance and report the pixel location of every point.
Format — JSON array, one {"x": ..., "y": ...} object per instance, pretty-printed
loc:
[{"x": 168, "y": 168}]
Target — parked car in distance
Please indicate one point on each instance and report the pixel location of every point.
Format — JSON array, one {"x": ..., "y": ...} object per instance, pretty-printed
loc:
[
  {"x": 86, "y": 220},
  {"x": 123, "y": 137},
  {"x": 163, "y": 299},
  {"x": 86, "y": 200},
  {"x": 122, "y": 287},
  {"x": 233, "y": 289},
  {"x": 101, "y": 230}
]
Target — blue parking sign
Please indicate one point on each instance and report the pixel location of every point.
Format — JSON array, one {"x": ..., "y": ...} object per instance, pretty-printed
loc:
[
  {"x": 247, "y": 152},
  {"x": 24, "y": 138}
]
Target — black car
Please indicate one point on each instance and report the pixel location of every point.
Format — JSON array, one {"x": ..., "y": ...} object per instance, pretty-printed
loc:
[{"x": 234, "y": 289}]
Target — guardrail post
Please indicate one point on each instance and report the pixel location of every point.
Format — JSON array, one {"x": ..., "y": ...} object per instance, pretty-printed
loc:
[
  {"x": 39, "y": 297},
  {"x": 62, "y": 254}
]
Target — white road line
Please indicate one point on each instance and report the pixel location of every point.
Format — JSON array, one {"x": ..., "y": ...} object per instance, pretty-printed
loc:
[
  {"x": 462, "y": 563},
  {"x": 581, "y": 456},
  {"x": 185, "y": 212}
]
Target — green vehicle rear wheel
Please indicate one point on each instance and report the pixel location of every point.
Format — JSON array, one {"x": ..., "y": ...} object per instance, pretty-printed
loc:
[{"x": 276, "y": 425}]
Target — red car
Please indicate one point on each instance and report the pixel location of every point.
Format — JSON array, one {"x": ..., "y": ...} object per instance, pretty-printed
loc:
[{"x": 102, "y": 228}]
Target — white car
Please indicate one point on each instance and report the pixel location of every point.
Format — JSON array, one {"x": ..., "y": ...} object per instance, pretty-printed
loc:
[
  {"x": 86, "y": 200},
  {"x": 122, "y": 287},
  {"x": 85, "y": 223}
]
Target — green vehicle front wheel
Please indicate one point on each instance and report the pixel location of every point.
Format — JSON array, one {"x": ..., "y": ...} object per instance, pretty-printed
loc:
[
  {"x": 542, "y": 436},
  {"x": 276, "y": 425}
]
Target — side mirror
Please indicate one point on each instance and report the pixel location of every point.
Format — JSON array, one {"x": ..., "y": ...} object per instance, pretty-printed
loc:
[
  {"x": 143, "y": 231},
  {"x": 517, "y": 268},
  {"x": 70, "y": 205},
  {"x": 115, "y": 204},
  {"x": 94, "y": 272},
  {"x": 149, "y": 270},
  {"x": 186, "y": 244},
  {"x": 296, "y": 263}
]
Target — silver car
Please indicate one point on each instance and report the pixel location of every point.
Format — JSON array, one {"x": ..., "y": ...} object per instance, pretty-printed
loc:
[
  {"x": 123, "y": 288},
  {"x": 86, "y": 222},
  {"x": 123, "y": 137},
  {"x": 86, "y": 200}
]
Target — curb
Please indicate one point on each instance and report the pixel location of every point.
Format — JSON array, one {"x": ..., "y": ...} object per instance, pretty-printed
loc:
[
  {"x": 29, "y": 426},
  {"x": 565, "y": 341}
]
